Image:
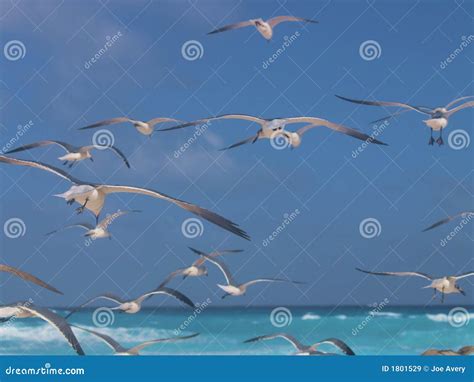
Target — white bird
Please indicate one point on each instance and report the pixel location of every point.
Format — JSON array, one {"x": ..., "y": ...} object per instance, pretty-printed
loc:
[
  {"x": 464, "y": 215},
  {"x": 73, "y": 153},
  {"x": 197, "y": 268},
  {"x": 27, "y": 310},
  {"x": 135, "y": 350},
  {"x": 234, "y": 289},
  {"x": 305, "y": 349},
  {"x": 28, "y": 277},
  {"x": 265, "y": 28},
  {"x": 143, "y": 127},
  {"x": 445, "y": 285},
  {"x": 134, "y": 306},
  {"x": 92, "y": 196},
  {"x": 275, "y": 128},
  {"x": 438, "y": 117},
  {"x": 100, "y": 231}
]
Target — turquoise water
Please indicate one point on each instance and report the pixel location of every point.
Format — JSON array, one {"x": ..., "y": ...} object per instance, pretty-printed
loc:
[{"x": 398, "y": 331}]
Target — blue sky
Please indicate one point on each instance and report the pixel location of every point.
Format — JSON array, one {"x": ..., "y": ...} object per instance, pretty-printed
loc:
[{"x": 405, "y": 186}]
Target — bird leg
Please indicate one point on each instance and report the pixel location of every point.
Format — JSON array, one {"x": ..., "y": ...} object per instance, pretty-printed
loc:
[
  {"x": 224, "y": 296},
  {"x": 431, "y": 141},
  {"x": 70, "y": 202},
  {"x": 440, "y": 141},
  {"x": 81, "y": 209},
  {"x": 92, "y": 159},
  {"x": 65, "y": 163},
  {"x": 71, "y": 164},
  {"x": 442, "y": 295}
]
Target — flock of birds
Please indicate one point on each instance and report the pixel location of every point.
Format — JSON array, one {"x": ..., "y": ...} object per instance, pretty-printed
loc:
[{"x": 91, "y": 196}]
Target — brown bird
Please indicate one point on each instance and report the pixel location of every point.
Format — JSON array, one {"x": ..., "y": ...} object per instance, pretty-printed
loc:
[{"x": 465, "y": 350}]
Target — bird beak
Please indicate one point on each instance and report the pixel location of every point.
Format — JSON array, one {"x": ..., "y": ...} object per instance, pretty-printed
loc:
[{"x": 63, "y": 195}]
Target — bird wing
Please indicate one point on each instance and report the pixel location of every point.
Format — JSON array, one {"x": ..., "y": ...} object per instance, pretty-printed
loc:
[
  {"x": 419, "y": 109},
  {"x": 251, "y": 139},
  {"x": 466, "y": 274},
  {"x": 460, "y": 107},
  {"x": 448, "y": 219},
  {"x": 390, "y": 116},
  {"x": 58, "y": 322},
  {"x": 338, "y": 343},
  {"x": 154, "y": 121},
  {"x": 120, "y": 154},
  {"x": 205, "y": 214},
  {"x": 218, "y": 253},
  {"x": 222, "y": 116},
  {"x": 86, "y": 226},
  {"x": 106, "y": 122},
  {"x": 267, "y": 280},
  {"x": 114, "y": 345},
  {"x": 41, "y": 166},
  {"x": 28, "y": 277},
  {"x": 169, "y": 292},
  {"x": 292, "y": 340},
  {"x": 171, "y": 276},
  {"x": 280, "y": 19},
  {"x": 466, "y": 350},
  {"x": 419, "y": 274},
  {"x": 69, "y": 148},
  {"x": 104, "y": 223},
  {"x": 229, "y": 27},
  {"x": 221, "y": 266},
  {"x": 457, "y": 100},
  {"x": 105, "y": 296},
  {"x": 333, "y": 126},
  {"x": 138, "y": 348}
]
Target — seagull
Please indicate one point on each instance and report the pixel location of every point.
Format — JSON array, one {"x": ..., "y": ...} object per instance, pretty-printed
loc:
[
  {"x": 445, "y": 285},
  {"x": 73, "y": 153},
  {"x": 438, "y": 117},
  {"x": 27, "y": 310},
  {"x": 264, "y": 27},
  {"x": 466, "y": 350},
  {"x": 197, "y": 268},
  {"x": 134, "y": 306},
  {"x": 465, "y": 215},
  {"x": 145, "y": 128},
  {"x": 304, "y": 349},
  {"x": 234, "y": 289},
  {"x": 28, "y": 277},
  {"x": 120, "y": 350},
  {"x": 100, "y": 230},
  {"x": 272, "y": 128},
  {"x": 92, "y": 196}
]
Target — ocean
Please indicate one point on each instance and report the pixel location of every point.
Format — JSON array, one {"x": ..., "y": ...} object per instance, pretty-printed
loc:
[{"x": 368, "y": 331}]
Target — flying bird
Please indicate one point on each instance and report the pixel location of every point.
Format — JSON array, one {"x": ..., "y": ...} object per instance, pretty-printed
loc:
[
  {"x": 135, "y": 350},
  {"x": 465, "y": 350},
  {"x": 134, "y": 306},
  {"x": 92, "y": 196},
  {"x": 234, "y": 289},
  {"x": 265, "y": 28},
  {"x": 438, "y": 117},
  {"x": 28, "y": 277},
  {"x": 100, "y": 231},
  {"x": 275, "y": 128},
  {"x": 73, "y": 153},
  {"x": 197, "y": 268},
  {"x": 27, "y": 310},
  {"x": 445, "y": 285},
  {"x": 143, "y": 127},
  {"x": 464, "y": 215},
  {"x": 305, "y": 349}
]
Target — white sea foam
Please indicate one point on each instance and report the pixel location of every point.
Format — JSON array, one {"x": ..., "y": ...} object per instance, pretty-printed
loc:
[
  {"x": 310, "y": 316},
  {"x": 442, "y": 317},
  {"x": 341, "y": 317},
  {"x": 387, "y": 314}
]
